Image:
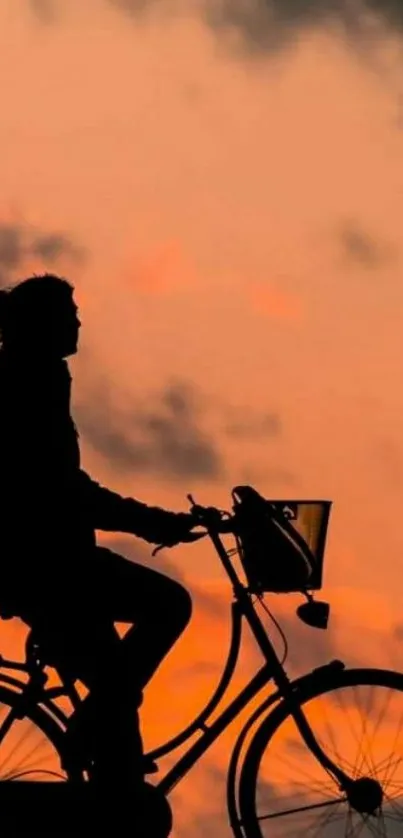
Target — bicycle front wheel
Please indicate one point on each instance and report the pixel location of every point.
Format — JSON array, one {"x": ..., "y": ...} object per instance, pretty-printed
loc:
[{"x": 357, "y": 718}]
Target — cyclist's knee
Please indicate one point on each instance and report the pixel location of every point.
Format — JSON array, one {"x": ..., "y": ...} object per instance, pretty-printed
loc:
[
  {"x": 187, "y": 605},
  {"x": 181, "y": 604}
]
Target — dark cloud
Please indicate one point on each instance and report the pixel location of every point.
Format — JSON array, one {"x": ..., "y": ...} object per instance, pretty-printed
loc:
[
  {"x": 268, "y": 22},
  {"x": 19, "y": 244},
  {"x": 162, "y": 436},
  {"x": 12, "y": 247},
  {"x": 53, "y": 246},
  {"x": 362, "y": 248},
  {"x": 267, "y": 25},
  {"x": 264, "y": 25}
]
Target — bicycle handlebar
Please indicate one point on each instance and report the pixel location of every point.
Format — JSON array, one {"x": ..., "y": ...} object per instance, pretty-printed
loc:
[
  {"x": 211, "y": 517},
  {"x": 206, "y": 516}
]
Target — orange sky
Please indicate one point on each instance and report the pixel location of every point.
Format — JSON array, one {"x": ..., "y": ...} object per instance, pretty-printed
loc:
[{"x": 239, "y": 228}]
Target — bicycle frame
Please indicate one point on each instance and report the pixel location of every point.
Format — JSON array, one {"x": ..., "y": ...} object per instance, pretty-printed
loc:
[{"x": 272, "y": 670}]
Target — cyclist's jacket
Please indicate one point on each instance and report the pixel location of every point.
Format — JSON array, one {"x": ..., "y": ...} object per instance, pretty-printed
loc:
[{"x": 48, "y": 501}]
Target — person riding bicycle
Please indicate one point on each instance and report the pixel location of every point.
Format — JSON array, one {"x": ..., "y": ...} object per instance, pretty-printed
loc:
[{"x": 53, "y": 574}]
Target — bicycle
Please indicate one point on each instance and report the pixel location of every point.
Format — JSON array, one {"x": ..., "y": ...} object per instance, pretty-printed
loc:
[{"x": 354, "y": 791}]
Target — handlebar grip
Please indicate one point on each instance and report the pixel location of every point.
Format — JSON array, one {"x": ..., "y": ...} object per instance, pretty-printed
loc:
[
  {"x": 210, "y": 517},
  {"x": 206, "y": 515}
]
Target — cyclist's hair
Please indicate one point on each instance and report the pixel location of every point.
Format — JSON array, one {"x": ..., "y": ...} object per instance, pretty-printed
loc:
[{"x": 22, "y": 302}]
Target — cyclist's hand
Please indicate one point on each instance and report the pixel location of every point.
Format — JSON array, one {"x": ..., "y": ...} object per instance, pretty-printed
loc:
[
  {"x": 206, "y": 516},
  {"x": 177, "y": 528}
]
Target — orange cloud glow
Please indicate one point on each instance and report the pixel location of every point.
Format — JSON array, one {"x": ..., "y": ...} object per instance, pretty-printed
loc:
[
  {"x": 241, "y": 224},
  {"x": 272, "y": 302},
  {"x": 161, "y": 271}
]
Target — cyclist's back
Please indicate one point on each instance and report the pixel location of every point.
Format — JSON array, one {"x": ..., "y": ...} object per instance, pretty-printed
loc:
[
  {"x": 40, "y": 466},
  {"x": 52, "y": 573}
]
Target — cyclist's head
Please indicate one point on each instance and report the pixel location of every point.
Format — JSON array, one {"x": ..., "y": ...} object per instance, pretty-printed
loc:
[{"x": 39, "y": 315}]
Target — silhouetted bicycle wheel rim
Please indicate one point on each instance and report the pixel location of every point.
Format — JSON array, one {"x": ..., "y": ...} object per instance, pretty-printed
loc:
[
  {"x": 357, "y": 718},
  {"x": 30, "y": 747}
]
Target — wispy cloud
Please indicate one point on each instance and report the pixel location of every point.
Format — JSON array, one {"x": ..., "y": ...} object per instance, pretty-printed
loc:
[
  {"x": 262, "y": 26},
  {"x": 53, "y": 246},
  {"x": 160, "y": 434},
  {"x": 11, "y": 247},
  {"x": 363, "y": 248},
  {"x": 245, "y": 424},
  {"x": 22, "y": 246}
]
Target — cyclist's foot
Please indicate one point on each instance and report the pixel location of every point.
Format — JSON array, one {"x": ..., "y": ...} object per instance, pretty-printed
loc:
[
  {"x": 74, "y": 761},
  {"x": 145, "y": 766},
  {"x": 149, "y": 766}
]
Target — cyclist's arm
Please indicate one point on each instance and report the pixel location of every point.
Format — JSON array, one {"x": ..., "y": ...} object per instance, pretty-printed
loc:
[{"x": 111, "y": 512}]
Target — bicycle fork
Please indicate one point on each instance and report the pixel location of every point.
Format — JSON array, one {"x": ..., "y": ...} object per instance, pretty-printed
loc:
[
  {"x": 278, "y": 674},
  {"x": 291, "y": 697}
]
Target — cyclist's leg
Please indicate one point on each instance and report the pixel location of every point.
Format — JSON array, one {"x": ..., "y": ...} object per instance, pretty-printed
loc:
[
  {"x": 159, "y": 607},
  {"x": 109, "y": 710},
  {"x": 111, "y": 589},
  {"x": 106, "y": 724}
]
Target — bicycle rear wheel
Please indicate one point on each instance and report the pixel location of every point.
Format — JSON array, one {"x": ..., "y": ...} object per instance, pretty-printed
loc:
[
  {"x": 30, "y": 747},
  {"x": 357, "y": 717}
]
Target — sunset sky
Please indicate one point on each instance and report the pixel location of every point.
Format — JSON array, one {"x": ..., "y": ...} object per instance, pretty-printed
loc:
[{"x": 223, "y": 184}]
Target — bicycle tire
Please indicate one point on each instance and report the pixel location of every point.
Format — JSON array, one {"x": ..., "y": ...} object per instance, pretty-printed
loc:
[
  {"x": 41, "y": 717},
  {"x": 311, "y": 688}
]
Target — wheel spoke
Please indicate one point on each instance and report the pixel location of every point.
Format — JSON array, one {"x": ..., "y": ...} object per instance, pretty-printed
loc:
[
  {"x": 396, "y": 808},
  {"x": 41, "y": 745},
  {"x": 302, "y": 809},
  {"x": 27, "y": 745},
  {"x": 358, "y": 725}
]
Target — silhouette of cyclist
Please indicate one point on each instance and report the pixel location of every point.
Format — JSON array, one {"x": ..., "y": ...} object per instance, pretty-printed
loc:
[{"x": 52, "y": 573}]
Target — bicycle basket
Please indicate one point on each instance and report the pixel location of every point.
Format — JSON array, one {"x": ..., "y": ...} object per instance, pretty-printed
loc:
[{"x": 281, "y": 543}]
